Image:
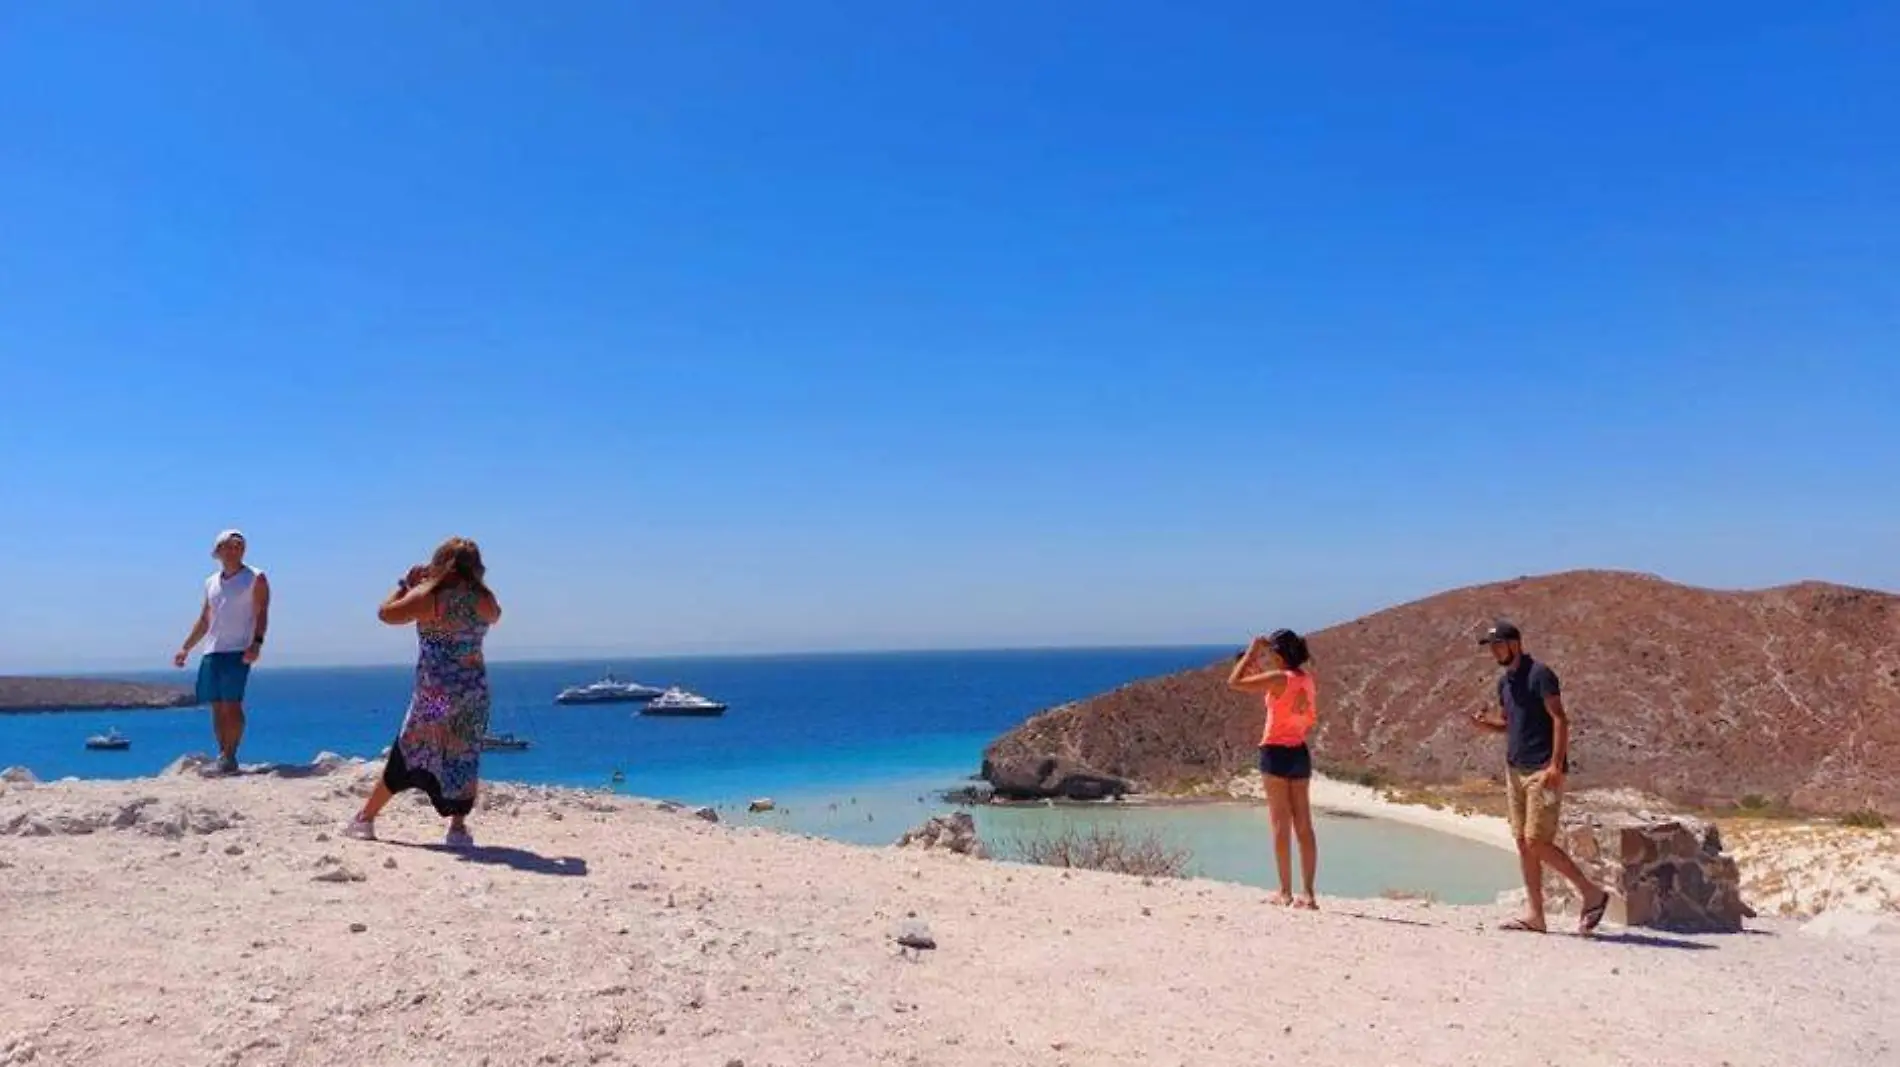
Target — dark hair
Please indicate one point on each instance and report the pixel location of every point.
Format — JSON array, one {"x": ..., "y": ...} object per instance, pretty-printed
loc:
[{"x": 1291, "y": 648}]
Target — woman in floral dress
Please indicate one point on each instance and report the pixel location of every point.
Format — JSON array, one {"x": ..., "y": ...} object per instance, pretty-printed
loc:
[{"x": 439, "y": 750}]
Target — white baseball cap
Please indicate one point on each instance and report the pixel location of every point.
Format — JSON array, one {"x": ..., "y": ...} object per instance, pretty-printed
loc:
[{"x": 226, "y": 536}]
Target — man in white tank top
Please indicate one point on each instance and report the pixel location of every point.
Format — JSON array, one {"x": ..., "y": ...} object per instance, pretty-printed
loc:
[{"x": 235, "y": 614}]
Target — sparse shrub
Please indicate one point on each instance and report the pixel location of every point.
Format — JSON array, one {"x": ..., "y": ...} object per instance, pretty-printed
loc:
[
  {"x": 1865, "y": 819},
  {"x": 1408, "y": 894},
  {"x": 1371, "y": 778},
  {"x": 1105, "y": 848},
  {"x": 1752, "y": 802}
]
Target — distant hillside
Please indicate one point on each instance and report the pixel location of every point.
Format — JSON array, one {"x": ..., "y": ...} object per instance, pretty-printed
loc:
[
  {"x": 85, "y": 694},
  {"x": 1698, "y": 695}
]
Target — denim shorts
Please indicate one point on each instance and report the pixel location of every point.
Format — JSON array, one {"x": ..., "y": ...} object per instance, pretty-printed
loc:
[{"x": 222, "y": 677}]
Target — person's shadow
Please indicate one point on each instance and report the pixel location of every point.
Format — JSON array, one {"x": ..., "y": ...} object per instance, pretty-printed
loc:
[
  {"x": 1627, "y": 936},
  {"x": 519, "y": 859}
]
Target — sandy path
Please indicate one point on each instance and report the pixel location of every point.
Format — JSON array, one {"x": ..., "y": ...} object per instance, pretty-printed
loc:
[{"x": 604, "y": 931}]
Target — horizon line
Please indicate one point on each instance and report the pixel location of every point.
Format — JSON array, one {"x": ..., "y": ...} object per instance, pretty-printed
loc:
[{"x": 534, "y": 659}]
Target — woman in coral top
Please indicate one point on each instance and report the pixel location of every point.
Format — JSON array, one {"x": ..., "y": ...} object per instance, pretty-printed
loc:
[{"x": 1286, "y": 764}]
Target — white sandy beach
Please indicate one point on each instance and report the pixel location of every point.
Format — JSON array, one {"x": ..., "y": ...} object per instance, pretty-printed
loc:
[
  {"x": 203, "y": 921},
  {"x": 1331, "y": 794}
]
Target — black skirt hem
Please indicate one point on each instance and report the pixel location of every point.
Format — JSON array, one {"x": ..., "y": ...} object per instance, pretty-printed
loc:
[{"x": 399, "y": 776}]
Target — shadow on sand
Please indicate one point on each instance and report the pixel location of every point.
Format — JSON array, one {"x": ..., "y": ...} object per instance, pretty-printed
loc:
[
  {"x": 1382, "y": 919},
  {"x": 519, "y": 859},
  {"x": 1631, "y": 937}
]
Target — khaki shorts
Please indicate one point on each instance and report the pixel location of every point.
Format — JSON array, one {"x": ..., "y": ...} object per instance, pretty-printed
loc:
[{"x": 1534, "y": 806}]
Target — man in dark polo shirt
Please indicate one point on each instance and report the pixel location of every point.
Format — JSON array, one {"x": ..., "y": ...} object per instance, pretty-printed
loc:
[{"x": 1536, "y": 758}]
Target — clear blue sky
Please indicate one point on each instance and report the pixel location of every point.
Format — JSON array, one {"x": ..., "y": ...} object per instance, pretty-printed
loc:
[{"x": 735, "y": 326}]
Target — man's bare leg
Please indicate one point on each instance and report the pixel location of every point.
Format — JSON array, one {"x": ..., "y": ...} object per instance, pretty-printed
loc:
[
  {"x": 1530, "y": 862},
  {"x": 1587, "y": 891},
  {"x": 227, "y": 719}
]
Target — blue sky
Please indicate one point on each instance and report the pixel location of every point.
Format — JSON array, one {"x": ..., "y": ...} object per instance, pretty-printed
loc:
[{"x": 733, "y": 327}]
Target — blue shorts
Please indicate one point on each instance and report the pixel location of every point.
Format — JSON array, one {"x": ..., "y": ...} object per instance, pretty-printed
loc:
[{"x": 221, "y": 677}]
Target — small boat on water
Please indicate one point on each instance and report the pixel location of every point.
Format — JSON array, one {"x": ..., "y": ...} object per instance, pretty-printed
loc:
[
  {"x": 677, "y": 701},
  {"x": 110, "y": 741},
  {"x": 504, "y": 743},
  {"x": 609, "y": 690}
]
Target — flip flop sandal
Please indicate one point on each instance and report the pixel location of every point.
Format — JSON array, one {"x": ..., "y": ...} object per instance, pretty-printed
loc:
[
  {"x": 1592, "y": 916},
  {"x": 1521, "y": 927}
]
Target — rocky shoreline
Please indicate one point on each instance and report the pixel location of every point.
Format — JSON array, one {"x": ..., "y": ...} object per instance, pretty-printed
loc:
[{"x": 20, "y": 695}]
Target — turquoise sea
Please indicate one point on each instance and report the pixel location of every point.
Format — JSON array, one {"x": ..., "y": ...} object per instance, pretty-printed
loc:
[{"x": 853, "y": 747}]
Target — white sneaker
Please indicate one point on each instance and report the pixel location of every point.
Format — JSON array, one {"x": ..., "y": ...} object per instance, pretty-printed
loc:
[{"x": 360, "y": 829}]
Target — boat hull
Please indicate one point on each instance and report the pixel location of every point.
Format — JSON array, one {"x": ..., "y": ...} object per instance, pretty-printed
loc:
[{"x": 712, "y": 711}]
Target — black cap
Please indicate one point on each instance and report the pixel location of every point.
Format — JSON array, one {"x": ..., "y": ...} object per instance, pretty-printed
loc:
[{"x": 1500, "y": 632}]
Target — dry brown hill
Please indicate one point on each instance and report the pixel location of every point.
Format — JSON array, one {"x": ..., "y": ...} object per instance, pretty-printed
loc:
[
  {"x": 84, "y": 694},
  {"x": 1700, "y": 695}
]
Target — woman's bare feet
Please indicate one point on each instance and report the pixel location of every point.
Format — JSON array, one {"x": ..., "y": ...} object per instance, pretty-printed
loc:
[
  {"x": 1307, "y": 903},
  {"x": 1282, "y": 899}
]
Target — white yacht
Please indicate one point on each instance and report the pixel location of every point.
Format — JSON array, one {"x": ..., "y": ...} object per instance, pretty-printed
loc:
[
  {"x": 110, "y": 741},
  {"x": 608, "y": 690},
  {"x": 677, "y": 701}
]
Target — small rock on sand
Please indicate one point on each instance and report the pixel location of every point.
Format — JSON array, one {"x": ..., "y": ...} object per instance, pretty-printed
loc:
[
  {"x": 338, "y": 874},
  {"x": 761, "y": 804},
  {"x": 358, "y": 928},
  {"x": 914, "y": 934},
  {"x": 706, "y": 813}
]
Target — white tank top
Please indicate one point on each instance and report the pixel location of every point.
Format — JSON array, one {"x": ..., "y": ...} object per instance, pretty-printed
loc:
[{"x": 233, "y": 610}]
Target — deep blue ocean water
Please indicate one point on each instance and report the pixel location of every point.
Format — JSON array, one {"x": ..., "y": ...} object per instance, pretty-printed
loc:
[{"x": 854, "y": 747}]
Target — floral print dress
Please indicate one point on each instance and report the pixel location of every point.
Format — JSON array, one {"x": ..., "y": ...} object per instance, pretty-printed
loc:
[{"x": 440, "y": 748}]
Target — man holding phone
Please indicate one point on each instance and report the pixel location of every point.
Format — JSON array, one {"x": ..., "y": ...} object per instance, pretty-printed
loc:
[{"x": 1537, "y": 757}]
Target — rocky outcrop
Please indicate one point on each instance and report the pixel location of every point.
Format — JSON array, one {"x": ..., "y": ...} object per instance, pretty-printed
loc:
[
  {"x": 1667, "y": 873},
  {"x": 1671, "y": 689},
  {"x": 955, "y": 832},
  {"x": 22, "y": 694},
  {"x": 18, "y": 776},
  {"x": 145, "y": 815},
  {"x": 1027, "y": 775}
]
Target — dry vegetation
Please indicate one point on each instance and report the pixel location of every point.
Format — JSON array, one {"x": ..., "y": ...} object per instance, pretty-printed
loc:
[{"x": 1103, "y": 848}]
